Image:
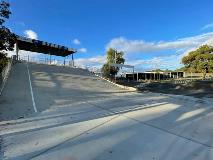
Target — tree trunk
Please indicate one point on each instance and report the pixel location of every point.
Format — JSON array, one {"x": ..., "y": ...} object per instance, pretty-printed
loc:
[{"x": 204, "y": 75}]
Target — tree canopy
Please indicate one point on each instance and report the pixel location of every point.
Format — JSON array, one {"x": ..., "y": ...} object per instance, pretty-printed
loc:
[
  {"x": 199, "y": 60},
  {"x": 113, "y": 56},
  {"x": 7, "y": 38}
]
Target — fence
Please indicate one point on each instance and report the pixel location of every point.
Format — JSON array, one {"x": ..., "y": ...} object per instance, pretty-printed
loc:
[
  {"x": 4, "y": 75},
  {"x": 45, "y": 60},
  {"x": 197, "y": 75}
]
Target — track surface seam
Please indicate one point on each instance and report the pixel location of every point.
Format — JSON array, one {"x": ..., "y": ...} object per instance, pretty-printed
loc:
[
  {"x": 69, "y": 139},
  {"x": 156, "y": 127}
]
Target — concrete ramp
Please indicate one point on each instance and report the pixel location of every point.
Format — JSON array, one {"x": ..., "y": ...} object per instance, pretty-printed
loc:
[
  {"x": 51, "y": 86},
  {"x": 81, "y": 117}
]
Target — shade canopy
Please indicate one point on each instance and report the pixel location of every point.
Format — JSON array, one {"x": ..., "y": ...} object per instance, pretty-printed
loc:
[{"x": 33, "y": 45}]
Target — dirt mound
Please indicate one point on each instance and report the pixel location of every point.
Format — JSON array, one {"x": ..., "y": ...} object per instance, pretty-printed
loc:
[{"x": 196, "y": 88}]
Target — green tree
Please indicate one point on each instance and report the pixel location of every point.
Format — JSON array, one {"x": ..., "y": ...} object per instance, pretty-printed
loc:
[
  {"x": 113, "y": 56},
  {"x": 200, "y": 60},
  {"x": 7, "y": 38}
]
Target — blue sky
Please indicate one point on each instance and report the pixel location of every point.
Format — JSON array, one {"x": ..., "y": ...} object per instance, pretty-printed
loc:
[{"x": 152, "y": 33}]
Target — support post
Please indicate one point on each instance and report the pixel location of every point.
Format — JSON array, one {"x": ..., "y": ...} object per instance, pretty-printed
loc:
[
  {"x": 133, "y": 74},
  {"x": 17, "y": 50},
  {"x": 72, "y": 61},
  {"x": 115, "y": 56},
  {"x": 137, "y": 76},
  {"x": 50, "y": 58}
]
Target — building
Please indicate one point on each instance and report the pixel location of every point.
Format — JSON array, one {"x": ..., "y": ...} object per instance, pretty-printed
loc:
[{"x": 150, "y": 75}]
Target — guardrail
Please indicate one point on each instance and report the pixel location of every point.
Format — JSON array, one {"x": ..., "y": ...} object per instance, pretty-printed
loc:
[{"x": 4, "y": 75}]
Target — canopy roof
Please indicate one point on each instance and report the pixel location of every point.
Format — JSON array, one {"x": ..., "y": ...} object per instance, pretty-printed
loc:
[{"x": 33, "y": 45}]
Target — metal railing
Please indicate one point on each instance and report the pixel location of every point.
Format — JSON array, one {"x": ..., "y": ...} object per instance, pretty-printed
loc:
[
  {"x": 44, "y": 60},
  {"x": 4, "y": 75}
]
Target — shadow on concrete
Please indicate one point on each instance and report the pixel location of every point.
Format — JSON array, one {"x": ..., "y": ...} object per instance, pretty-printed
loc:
[{"x": 52, "y": 90}]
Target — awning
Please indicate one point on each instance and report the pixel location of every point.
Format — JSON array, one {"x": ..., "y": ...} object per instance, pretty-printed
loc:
[{"x": 33, "y": 45}]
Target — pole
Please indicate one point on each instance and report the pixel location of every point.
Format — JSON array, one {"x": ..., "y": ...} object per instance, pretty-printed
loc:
[
  {"x": 115, "y": 56},
  {"x": 72, "y": 61},
  {"x": 115, "y": 63},
  {"x": 137, "y": 76},
  {"x": 133, "y": 74},
  {"x": 17, "y": 50},
  {"x": 50, "y": 58}
]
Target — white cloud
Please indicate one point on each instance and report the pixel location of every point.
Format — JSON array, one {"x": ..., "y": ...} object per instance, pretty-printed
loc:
[
  {"x": 161, "y": 62},
  {"x": 141, "y": 46},
  {"x": 30, "y": 34},
  {"x": 180, "y": 47},
  {"x": 207, "y": 26},
  {"x": 76, "y": 41},
  {"x": 82, "y": 50},
  {"x": 24, "y": 54},
  {"x": 97, "y": 61}
]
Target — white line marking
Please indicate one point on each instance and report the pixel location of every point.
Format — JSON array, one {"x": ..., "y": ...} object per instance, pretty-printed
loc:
[{"x": 31, "y": 90}]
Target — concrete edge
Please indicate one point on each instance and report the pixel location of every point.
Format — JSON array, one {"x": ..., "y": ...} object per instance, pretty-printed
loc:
[
  {"x": 9, "y": 65},
  {"x": 118, "y": 85},
  {"x": 187, "y": 98}
]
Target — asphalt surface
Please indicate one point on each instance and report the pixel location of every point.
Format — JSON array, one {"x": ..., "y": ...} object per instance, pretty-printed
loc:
[
  {"x": 81, "y": 117},
  {"x": 15, "y": 101}
]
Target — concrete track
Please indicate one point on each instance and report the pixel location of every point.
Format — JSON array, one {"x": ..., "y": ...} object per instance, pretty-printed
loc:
[{"x": 81, "y": 117}]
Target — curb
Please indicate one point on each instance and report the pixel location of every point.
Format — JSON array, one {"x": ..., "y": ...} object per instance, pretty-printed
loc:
[{"x": 118, "y": 85}]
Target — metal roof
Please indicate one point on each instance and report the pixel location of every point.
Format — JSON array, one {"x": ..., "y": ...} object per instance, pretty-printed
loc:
[{"x": 34, "y": 45}]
